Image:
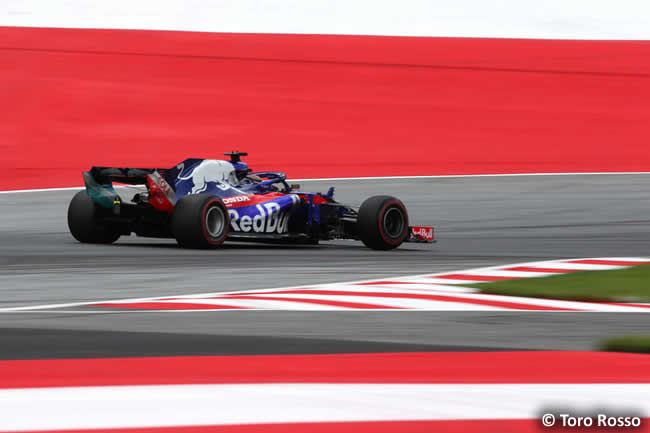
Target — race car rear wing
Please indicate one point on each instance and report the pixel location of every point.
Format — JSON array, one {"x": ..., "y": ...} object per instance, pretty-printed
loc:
[
  {"x": 138, "y": 176},
  {"x": 99, "y": 185},
  {"x": 130, "y": 176}
]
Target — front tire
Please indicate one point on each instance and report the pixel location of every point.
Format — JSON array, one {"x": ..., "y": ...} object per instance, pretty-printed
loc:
[
  {"x": 84, "y": 224},
  {"x": 200, "y": 221},
  {"x": 383, "y": 222}
]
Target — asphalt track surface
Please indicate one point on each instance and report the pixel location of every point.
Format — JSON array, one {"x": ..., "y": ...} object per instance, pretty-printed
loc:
[{"x": 480, "y": 221}]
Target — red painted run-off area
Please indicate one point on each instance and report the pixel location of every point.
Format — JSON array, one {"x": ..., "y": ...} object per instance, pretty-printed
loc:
[
  {"x": 318, "y": 106},
  {"x": 425, "y": 367},
  {"x": 441, "y": 367}
]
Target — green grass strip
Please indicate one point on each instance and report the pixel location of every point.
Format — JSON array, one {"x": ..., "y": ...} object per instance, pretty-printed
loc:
[
  {"x": 630, "y": 344},
  {"x": 620, "y": 285}
]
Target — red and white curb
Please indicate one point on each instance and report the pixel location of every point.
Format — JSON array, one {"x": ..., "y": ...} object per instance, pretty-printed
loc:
[
  {"x": 394, "y": 392},
  {"x": 432, "y": 292}
]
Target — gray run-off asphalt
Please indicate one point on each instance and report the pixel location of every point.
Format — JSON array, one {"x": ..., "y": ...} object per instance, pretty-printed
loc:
[{"x": 480, "y": 221}]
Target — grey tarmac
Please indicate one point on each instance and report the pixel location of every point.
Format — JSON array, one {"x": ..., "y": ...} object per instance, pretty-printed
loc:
[{"x": 480, "y": 221}]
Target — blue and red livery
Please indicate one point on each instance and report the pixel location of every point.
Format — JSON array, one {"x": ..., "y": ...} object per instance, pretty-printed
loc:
[{"x": 203, "y": 202}]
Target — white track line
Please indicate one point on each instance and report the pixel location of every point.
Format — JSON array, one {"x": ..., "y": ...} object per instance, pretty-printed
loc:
[
  {"x": 551, "y": 19},
  {"x": 103, "y": 407}
]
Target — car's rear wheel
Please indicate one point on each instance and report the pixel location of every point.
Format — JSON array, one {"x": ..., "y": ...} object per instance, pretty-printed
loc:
[
  {"x": 383, "y": 222},
  {"x": 84, "y": 223},
  {"x": 200, "y": 221}
]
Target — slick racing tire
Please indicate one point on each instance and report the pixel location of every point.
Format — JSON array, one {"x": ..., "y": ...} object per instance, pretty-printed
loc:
[
  {"x": 200, "y": 221},
  {"x": 383, "y": 222},
  {"x": 83, "y": 222}
]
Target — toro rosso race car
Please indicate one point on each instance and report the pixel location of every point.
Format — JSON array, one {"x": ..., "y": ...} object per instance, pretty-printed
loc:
[{"x": 203, "y": 202}]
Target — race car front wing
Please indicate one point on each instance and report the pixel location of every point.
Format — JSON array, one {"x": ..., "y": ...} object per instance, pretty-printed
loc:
[{"x": 421, "y": 234}]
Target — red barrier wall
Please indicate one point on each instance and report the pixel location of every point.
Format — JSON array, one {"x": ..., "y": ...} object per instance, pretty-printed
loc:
[{"x": 318, "y": 106}]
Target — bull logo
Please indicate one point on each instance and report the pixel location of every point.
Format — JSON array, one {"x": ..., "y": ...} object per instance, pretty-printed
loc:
[{"x": 210, "y": 170}]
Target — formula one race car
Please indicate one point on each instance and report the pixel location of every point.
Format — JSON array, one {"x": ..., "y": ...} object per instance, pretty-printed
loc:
[{"x": 203, "y": 202}]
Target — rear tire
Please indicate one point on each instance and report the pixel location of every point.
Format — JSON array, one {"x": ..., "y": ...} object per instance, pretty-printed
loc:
[
  {"x": 383, "y": 222},
  {"x": 83, "y": 222},
  {"x": 200, "y": 221}
]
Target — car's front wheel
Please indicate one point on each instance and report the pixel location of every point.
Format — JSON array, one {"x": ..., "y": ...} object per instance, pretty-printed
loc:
[
  {"x": 84, "y": 223},
  {"x": 200, "y": 221},
  {"x": 383, "y": 222}
]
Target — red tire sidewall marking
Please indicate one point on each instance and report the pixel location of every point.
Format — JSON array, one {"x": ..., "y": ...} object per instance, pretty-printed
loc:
[
  {"x": 381, "y": 222},
  {"x": 205, "y": 229}
]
